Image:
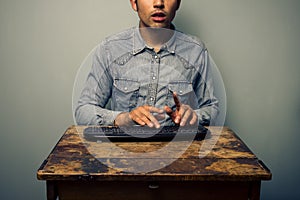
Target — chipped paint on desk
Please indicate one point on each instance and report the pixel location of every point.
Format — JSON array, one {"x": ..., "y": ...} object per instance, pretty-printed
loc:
[{"x": 230, "y": 159}]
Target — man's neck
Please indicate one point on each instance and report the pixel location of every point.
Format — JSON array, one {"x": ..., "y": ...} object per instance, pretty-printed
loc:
[{"x": 156, "y": 37}]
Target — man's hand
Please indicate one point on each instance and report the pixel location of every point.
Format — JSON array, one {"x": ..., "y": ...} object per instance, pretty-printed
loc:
[
  {"x": 142, "y": 115},
  {"x": 182, "y": 114}
]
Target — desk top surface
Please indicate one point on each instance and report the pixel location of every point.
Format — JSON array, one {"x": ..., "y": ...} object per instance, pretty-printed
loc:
[{"x": 229, "y": 159}]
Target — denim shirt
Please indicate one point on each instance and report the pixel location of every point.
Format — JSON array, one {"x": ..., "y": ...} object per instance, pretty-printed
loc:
[{"x": 126, "y": 73}]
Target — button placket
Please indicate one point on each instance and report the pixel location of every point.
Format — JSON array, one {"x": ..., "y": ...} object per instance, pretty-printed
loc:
[{"x": 152, "y": 90}]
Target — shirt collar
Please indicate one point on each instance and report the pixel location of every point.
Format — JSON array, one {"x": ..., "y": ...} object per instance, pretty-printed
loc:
[{"x": 139, "y": 44}]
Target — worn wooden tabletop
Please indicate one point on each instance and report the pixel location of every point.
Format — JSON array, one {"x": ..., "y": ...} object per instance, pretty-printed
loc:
[{"x": 229, "y": 159}]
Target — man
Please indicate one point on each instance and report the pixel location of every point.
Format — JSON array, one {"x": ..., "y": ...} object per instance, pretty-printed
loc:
[{"x": 148, "y": 72}]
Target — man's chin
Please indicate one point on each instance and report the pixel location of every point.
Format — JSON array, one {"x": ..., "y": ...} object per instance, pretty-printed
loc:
[{"x": 159, "y": 25}]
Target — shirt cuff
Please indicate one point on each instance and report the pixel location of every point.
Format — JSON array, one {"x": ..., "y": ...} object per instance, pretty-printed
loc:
[{"x": 107, "y": 117}]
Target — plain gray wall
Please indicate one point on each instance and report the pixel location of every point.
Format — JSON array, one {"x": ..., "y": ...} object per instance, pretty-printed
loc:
[{"x": 255, "y": 44}]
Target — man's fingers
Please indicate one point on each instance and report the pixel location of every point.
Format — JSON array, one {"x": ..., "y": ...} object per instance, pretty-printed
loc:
[
  {"x": 185, "y": 116},
  {"x": 139, "y": 121},
  {"x": 174, "y": 115},
  {"x": 135, "y": 116},
  {"x": 168, "y": 110},
  {"x": 142, "y": 115},
  {"x": 189, "y": 116},
  {"x": 155, "y": 110},
  {"x": 194, "y": 119},
  {"x": 177, "y": 101},
  {"x": 178, "y": 115}
]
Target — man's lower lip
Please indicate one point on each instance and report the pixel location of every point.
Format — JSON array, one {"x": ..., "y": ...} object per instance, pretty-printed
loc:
[{"x": 158, "y": 19}]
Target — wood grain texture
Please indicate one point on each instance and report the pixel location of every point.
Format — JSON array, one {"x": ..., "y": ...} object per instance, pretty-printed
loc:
[{"x": 230, "y": 159}]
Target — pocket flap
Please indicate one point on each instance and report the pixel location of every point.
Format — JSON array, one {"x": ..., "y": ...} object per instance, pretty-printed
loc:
[
  {"x": 181, "y": 88},
  {"x": 126, "y": 85}
]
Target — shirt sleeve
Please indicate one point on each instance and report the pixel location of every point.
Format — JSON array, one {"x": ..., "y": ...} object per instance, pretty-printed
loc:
[
  {"x": 207, "y": 102},
  {"x": 96, "y": 93}
]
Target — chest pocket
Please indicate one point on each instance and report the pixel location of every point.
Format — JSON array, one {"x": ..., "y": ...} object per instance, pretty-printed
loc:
[
  {"x": 185, "y": 93},
  {"x": 125, "y": 94}
]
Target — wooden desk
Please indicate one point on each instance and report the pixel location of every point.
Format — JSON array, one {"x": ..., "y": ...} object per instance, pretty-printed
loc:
[{"x": 229, "y": 171}]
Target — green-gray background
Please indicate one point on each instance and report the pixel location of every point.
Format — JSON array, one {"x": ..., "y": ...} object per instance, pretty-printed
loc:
[{"x": 255, "y": 44}]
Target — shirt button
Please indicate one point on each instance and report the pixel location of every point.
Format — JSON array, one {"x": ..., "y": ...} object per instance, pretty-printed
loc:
[
  {"x": 125, "y": 88},
  {"x": 180, "y": 92},
  {"x": 153, "y": 77},
  {"x": 151, "y": 98},
  {"x": 155, "y": 56}
]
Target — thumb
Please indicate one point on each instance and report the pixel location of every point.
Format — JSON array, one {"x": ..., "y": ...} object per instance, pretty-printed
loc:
[{"x": 168, "y": 110}]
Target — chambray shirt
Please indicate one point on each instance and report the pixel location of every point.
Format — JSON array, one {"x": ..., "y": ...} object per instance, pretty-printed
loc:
[{"x": 126, "y": 73}]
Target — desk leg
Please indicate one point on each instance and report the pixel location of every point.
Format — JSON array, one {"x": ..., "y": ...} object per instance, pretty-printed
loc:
[
  {"x": 51, "y": 190},
  {"x": 254, "y": 191}
]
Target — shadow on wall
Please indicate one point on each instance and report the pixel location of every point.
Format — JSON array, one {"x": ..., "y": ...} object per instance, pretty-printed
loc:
[
  {"x": 183, "y": 23},
  {"x": 187, "y": 23}
]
